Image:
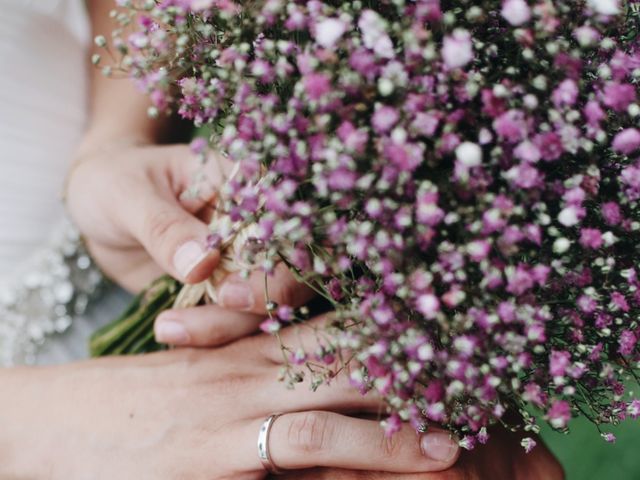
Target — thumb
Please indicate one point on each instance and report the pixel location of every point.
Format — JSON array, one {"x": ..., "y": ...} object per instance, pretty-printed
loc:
[{"x": 175, "y": 239}]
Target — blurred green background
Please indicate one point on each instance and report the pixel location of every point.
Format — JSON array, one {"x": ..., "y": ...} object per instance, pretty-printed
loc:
[{"x": 586, "y": 456}]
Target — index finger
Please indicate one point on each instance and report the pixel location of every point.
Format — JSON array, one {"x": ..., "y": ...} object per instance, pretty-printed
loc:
[{"x": 260, "y": 291}]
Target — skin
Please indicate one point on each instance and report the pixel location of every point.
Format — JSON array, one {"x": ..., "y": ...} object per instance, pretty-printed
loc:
[
  {"x": 502, "y": 458},
  {"x": 192, "y": 414}
]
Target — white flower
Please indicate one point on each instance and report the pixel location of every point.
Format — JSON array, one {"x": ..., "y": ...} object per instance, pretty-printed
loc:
[
  {"x": 428, "y": 304},
  {"x": 425, "y": 352},
  {"x": 329, "y": 31},
  {"x": 469, "y": 154},
  {"x": 374, "y": 34},
  {"x": 516, "y": 12},
  {"x": 561, "y": 245},
  {"x": 457, "y": 49},
  {"x": 569, "y": 217},
  {"x": 198, "y": 5},
  {"x": 605, "y": 7}
]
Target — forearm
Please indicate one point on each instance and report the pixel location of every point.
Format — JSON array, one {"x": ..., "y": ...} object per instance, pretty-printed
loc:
[
  {"x": 117, "y": 109},
  {"x": 22, "y": 430}
]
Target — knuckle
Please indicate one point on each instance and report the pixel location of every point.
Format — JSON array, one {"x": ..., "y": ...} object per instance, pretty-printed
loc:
[
  {"x": 216, "y": 336},
  {"x": 389, "y": 445},
  {"x": 159, "y": 223},
  {"x": 310, "y": 432}
]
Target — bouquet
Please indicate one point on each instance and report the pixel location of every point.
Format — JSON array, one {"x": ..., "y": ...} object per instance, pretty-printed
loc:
[{"x": 459, "y": 179}]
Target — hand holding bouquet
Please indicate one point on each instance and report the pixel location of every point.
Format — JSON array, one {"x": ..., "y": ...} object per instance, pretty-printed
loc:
[{"x": 460, "y": 180}]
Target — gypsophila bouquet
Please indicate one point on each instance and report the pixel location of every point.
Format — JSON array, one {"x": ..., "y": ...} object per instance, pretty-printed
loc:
[{"x": 460, "y": 179}]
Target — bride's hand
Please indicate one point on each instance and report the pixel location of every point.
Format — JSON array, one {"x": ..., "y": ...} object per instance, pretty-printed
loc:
[
  {"x": 130, "y": 204},
  {"x": 127, "y": 203},
  {"x": 196, "y": 415}
]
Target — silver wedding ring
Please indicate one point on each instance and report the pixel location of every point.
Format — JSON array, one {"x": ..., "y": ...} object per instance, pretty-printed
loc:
[{"x": 263, "y": 445}]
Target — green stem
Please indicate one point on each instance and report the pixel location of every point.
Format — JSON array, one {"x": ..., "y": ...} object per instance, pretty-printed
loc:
[{"x": 132, "y": 332}]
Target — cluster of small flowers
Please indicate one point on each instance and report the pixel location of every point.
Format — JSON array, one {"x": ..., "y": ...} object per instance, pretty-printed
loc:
[{"x": 461, "y": 180}]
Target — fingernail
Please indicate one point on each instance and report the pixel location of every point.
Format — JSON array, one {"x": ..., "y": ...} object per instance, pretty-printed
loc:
[
  {"x": 438, "y": 446},
  {"x": 171, "y": 332},
  {"x": 236, "y": 296},
  {"x": 187, "y": 257}
]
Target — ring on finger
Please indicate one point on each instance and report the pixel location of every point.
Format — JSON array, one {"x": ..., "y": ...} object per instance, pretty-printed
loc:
[{"x": 263, "y": 445}]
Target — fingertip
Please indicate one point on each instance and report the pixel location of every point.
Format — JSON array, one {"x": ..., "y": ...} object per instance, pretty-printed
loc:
[
  {"x": 169, "y": 331},
  {"x": 440, "y": 447},
  {"x": 197, "y": 266}
]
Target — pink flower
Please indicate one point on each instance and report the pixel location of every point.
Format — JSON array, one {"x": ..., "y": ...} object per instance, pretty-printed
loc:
[
  {"x": 384, "y": 119},
  {"x": 550, "y": 145},
  {"x": 618, "y": 300},
  {"x": 511, "y": 126},
  {"x": 527, "y": 152},
  {"x": 618, "y": 96},
  {"x": 611, "y": 213},
  {"x": 317, "y": 85},
  {"x": 558, "y": 363},
  {"x": 559, "y": 414},
  {"x": 594, "y": 113},
  {"x": 457, "y": 49},
  {"x": 516, "y": 12},
  {"x": 633, "y": 409},
  {"x": 626, "y": 141},
  {"x": 565, "y": 94},
  {"x": 591, "y": 238},
  {"x": 627, "y": 343},
  {"x": 525, "y": 176},
  {"x": 426, "y": 123}
]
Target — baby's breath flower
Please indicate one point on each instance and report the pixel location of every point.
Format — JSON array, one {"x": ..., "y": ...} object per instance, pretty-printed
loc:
[{"x": 460, "y": 181}]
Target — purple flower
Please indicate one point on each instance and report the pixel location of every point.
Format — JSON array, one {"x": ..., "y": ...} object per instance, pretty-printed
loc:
[
  {"x": 618, "y": 96},
  {"x": 550, "y": 145},
  {"x": 558, "y": 363},
  {"x": 566, "y": 94},
  {"x": 511, "y": 126},
  {"x": 317, "y": 85},
  {"x": 627, "y": 141},
  {"x": 384, "y": 119},
  {"x": 559, "y": 414},
  {"x": 627, "y": 343},
  {"x": 633, "y": 409},
  {"x": 594, "y": 113},
  {"x": 611, "y": 213},
  {"x": 591, "y": 238}
]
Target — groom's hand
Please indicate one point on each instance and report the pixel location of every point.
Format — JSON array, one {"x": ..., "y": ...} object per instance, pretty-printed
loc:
[
  {"x": 241, "y": 309},
  {"x": 502, "y": 458}
]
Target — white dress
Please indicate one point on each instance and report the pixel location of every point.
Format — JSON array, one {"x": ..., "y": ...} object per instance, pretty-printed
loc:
[{"x": 46, "y": 279}]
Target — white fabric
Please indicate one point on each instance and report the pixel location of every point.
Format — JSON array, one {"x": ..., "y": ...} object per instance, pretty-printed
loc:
[
  {"x": 43, "y": 92},
  {"x": 43, "y": 111}
]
